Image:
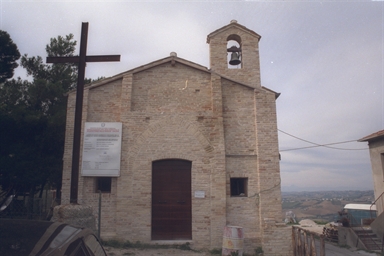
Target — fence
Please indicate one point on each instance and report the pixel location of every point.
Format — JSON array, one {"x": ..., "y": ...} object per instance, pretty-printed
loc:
[
  {"x": 304, "y": 243},
  {"x": 30, "y": 207}
]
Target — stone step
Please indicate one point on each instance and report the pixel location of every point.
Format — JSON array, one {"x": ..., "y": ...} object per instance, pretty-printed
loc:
[
  {"x": 370, "y": 240},
  {"x": 364, "y": 236},
  {"x": 373, "y": 243},
  {"x": 359, "y": 230},
  {"x": 373, "y": 248}
]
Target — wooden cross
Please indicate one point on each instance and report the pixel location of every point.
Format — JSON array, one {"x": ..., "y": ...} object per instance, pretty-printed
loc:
[{"x": 81, "y": 60}]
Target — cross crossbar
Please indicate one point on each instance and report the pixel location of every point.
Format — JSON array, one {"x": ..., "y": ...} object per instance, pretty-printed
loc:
[{"x": 76, "y": 59}]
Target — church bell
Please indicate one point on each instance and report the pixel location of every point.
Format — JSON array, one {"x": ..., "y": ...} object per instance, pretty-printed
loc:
[
  {"x": 235, "y": 55},
  {"x": 234, "y": 59}
]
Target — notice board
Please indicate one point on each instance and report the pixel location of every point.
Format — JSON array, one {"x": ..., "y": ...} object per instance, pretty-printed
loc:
[{"x": 101, "y": 149}]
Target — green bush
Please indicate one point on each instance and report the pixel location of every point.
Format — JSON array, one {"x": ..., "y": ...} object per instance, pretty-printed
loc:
[
  {"x": 215, "y": 251},
  {"x": 113, "y": 243},
  {"x": 258, "y": 251}
]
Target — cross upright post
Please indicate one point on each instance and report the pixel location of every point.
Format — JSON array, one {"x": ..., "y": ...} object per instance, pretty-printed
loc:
[{"x": 81, "y": 61}]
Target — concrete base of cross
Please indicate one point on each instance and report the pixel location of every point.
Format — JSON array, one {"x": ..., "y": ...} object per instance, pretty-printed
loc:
[{"x": 76, "y": 215}]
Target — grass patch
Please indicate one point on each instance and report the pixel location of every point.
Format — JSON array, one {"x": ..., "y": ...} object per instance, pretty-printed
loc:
[
  {"x": 320, "y": 222},
  {"x": 215, "y": 251},
  {"x": 113, "y": 243},
  {"x": 292, "y": 224},
  {"x": 290, "y": 205},
  {"x": 138, "y": 245}
]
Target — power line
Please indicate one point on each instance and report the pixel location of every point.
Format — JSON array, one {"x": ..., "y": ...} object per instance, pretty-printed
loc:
[{"x": 319, "y": 145}]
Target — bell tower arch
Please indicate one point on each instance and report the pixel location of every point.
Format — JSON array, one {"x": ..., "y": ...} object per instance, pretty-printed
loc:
[{"x": 234, "y": 53}]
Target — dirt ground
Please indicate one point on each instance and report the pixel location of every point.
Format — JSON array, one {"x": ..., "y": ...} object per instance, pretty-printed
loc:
[
  {"x": 111, "y": 251},
  {"x": 152, "y": 252}
]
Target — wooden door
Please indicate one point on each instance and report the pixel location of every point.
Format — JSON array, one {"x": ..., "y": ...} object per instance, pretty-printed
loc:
[{"x": 171, "y": 200}]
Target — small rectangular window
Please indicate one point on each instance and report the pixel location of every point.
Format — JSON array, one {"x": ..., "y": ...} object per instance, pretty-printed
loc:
[
  {"x": 103, "y": 184},
  {"x": 239, "y": 186}
]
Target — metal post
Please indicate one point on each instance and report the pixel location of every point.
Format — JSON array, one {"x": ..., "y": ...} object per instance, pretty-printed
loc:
[
  {"x": 294, "y": 240},
  {"x": 99, "y": 224}
]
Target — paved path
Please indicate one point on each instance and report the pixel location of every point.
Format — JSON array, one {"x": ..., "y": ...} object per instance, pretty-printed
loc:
[
  {"x": 334, "y": 250},
  {"x": 331, "y": 249}
]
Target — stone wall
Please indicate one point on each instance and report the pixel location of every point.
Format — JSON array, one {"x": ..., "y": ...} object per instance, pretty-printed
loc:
[
  {"x": 160, "y": 128},
  {"x": 376, "y": 151},
  {"x": 277, "y": 238}
]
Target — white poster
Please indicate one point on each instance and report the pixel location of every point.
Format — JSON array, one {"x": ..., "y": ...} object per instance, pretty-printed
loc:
[
  {"x": 199, "y": 194},
  {"x": 101, "y": 149}
]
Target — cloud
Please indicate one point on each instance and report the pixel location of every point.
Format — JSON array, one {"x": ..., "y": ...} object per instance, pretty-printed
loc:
[{"x": 325, "y": 58}]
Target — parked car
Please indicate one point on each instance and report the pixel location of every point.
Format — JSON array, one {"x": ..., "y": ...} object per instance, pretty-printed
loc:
[{"x": 44, "y": 238}]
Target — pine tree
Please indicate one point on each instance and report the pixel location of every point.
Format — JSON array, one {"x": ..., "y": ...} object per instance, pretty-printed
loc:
[
  {"x": 9, "y": 54},
  {"x": 33, "y": 116}
]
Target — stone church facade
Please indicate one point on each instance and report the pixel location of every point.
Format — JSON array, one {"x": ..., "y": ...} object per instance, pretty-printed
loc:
[{"x": 199, "y": 150}]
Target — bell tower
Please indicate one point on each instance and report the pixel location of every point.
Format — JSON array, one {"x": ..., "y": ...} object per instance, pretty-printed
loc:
[{"x": 234, "y": 53}]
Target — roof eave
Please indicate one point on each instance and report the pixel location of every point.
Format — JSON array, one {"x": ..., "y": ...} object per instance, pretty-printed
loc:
[
  {"x": 234, "y": 24},
  {"x": 372, "y": 137},
  {"x": 171, "y": 59}
]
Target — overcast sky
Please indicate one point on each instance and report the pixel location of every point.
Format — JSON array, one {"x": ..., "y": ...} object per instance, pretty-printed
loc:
[{"x": 326, "y": 58}]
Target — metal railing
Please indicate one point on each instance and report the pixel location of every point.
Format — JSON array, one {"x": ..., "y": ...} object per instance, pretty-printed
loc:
[
  {"x": 381, "y": 198},
  {"x": 354, "y": 224},
  {"x": 29, "y": 207}
]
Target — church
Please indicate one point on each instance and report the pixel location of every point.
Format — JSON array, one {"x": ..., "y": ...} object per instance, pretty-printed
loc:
[{"x": 180, "y": 151}]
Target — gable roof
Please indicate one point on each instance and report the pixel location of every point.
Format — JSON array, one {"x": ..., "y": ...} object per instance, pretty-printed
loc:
[
  {"x": 173, "y": 59},
  {"x": 373, "y": 136},
  {"x": 232, "y": 24}
]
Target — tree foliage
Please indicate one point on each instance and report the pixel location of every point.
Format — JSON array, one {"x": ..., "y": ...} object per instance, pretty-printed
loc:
[
  {"x": 9, "y": 54},
  {"x": 33, "y": 115}
]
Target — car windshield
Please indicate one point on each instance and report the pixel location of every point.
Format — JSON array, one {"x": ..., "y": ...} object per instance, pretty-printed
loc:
[
  {"x": 65, "y": 234},
  {"x": 31, "y": 237}
]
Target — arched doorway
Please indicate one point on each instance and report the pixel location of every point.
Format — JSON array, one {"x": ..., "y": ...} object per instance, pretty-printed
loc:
[{"x": 171, "y": 200}]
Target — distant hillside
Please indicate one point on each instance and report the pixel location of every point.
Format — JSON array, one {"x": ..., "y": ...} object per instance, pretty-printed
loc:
[
  {"x": 341, "y": 187},
  {"x": 322, "y": 205}
]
